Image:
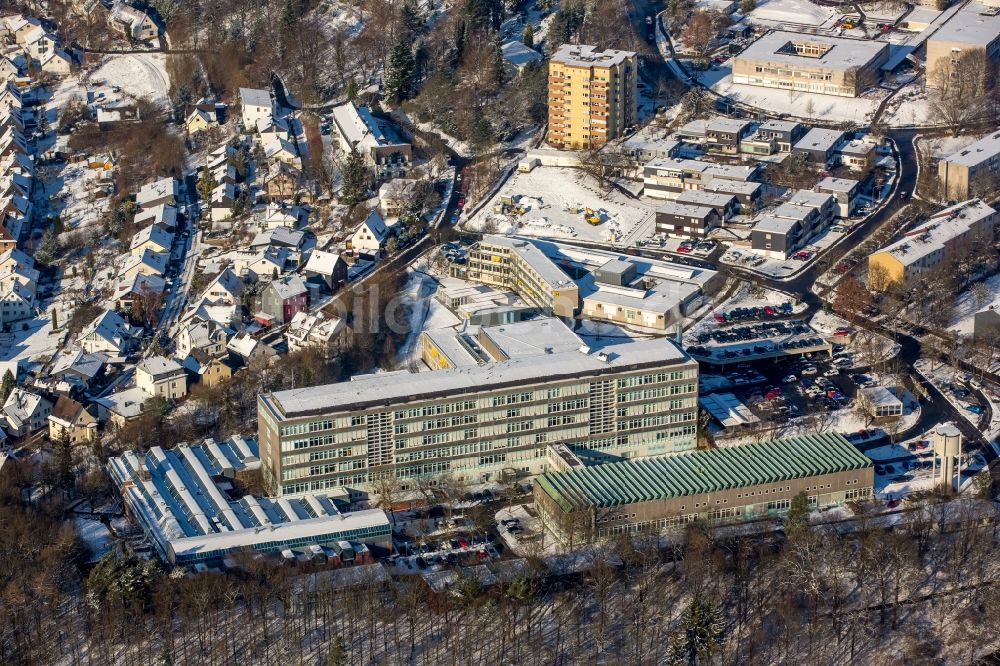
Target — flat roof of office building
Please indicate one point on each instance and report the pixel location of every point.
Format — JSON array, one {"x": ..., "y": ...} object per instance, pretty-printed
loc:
[
  {"x": 382, "y": 389},
  {"x": 701, "y": 471},
  {"x": 842, "y": 53},
  {"x": 973, "y": 24}
]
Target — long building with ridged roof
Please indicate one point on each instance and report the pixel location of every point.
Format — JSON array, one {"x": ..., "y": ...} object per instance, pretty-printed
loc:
[{"x": 651, "y": 495}]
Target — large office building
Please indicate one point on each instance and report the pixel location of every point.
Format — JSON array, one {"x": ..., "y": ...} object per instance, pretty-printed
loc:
[
  {"x": 592, "y": 96},
  {"x": 520, "y": 266},
  {"x": 641, "y": 293},
  {"x": 504, "y": 394},
  {"x": 943, "y": 237},
  {"x": 582, "y": 502},
  {"x": 186, "y": 500},
  {"x": 958, "y": 171},
  {"x": 811, "y": 63},
  {"x": 974, "y": 28}
]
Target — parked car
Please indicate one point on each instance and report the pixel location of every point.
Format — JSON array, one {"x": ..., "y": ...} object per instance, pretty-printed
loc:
[{"x": 975, "y": 409}]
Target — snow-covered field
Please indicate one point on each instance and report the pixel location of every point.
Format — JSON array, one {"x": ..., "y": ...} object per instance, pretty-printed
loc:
[
  {"x": 555, "y": 200},
  {"x": 132, "y": 75}
]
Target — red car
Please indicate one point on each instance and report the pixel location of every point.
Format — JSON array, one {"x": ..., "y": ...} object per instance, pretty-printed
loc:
[
  {"x": 840, "y": 332},
  {"x": 683, "y": 249},
  {"x": 461, "y": 202},
  {"x": 719, "y": 318},
  {"x": 462, "y": 542},
  {"x": 481, "y": 554},
  {"x": 769, "y": 311},
  {"x": 893, "y": 504}
]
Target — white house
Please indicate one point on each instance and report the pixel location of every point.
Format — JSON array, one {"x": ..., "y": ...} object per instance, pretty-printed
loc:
[
  {"x": 314, "y": 330},
  {"x": 256, "y": 105},
  {"x": 370, "y": 237},
  {"x": 161, "y": 191},
  {"x": 109, "y": 333},
  {"x": 26, "y": 412},
  {"x": 209, "y": 337}
]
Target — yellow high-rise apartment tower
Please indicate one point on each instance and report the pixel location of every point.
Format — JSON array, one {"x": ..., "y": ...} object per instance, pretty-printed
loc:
[{"x": 592, "y": 96}]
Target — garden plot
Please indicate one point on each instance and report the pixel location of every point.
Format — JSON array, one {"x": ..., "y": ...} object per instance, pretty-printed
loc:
[{"x": 556, "y": 203}]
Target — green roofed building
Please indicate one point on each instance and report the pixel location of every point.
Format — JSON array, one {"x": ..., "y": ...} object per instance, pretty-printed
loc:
[{"x": 733, "y": 483}]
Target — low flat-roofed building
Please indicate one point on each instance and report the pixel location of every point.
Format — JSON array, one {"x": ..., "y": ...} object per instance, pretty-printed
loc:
[
  {"x": 644, "y": 148},
  {"x": 785, "y": 132},
  {"x": 667, "y": 178},
  {"x": 846, "y": 192},
  {"x": 476, "y": 345},
  {"x": 748, "y": 193},
  {"x": 820, "y": 145},
  {"x": 858, "y": 154},
  {"x": 681, "y": 220},
  {"x": 181, "y": 499},
  {"x": 735, "y": 483},
  {"x": 811, "y": 63},
  {"x": 958, "y": 172},
  {"x": 943, "y": 237},
  {"x": 880, "y": 402},
  {"x": 723, "y": 135},
  {"x": 725, "y": 204}
]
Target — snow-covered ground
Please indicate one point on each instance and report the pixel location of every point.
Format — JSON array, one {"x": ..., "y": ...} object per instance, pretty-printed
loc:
[
  {"x": 95, "y": 535},
  {"x": 868, "y": 348},
  {"x": 425, "y": 313},
  {"x": 909, "y": 106},
  {"x": 942, "y": 146},
  {"x": 969, "y": 303},
  {"x": 131, "y": 75},
  {"x": 774, "y": 100},
  {"x": 555, "y": 200}
]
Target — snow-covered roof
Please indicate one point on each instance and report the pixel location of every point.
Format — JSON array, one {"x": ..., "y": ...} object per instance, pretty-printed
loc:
[
  {"x": 975, "y": 24},
  {"x": 157, "y": 261},
  {"x": 156, "y": 190},
  {"x": 841, "y": 53},
  {"x": 518, "y": 54},
  {"x": 289, "y": 286},
  {"x": 582, "y": 55},
  {"x": 322, "y": 263},
  {"x": 279, "y": 236},
  {"x": 255, "y": 97},
  {"x": 937, "y": 231},
  {"x": 975, "y": 154},
  {"x": 837, "y": 184},
  {"x": 879, "y": 396},
  {"x": 383, "y": 388},
  {"x": 159, "y": 367},
  {"x": 820, "y": 138},
  {"x": 155, "y": 234},
  {"x": 376, "y": 225},
  {"x": 78, "y": 362},
  {"x": 126, "y": 404},
  {"x": 163, "y": 214},
  {"x": 139, "y": 283},
  {"x": 110, "y": 326},
  {"x": 174, "y": 494},
  {"x": 243, "y": 344},
  {"x": 360, "y": 128}
]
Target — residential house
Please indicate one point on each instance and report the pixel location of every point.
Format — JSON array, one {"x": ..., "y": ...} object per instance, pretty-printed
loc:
[
  {"x": 72, "y": 422},
  {"x": 517, "y": 56},
  {"x": 314, "y": 330},
  {"x": 284, "y": 297},
  {"x": 138, "y": 285},
  {"x": 146, "y": 262},
  {"x": 162, "y": 215},
  {"x": 277, "y": 148},
  {"x": 208, "y": 337},
  {"x": 222, "y": 200},
  {"x": 725, "y": 204},
  {"x": 370, "y": 237},
  {"x": 399, "y": 195},
  {"x": 279, "y": 237},
  {"x": 264, "y": 265},
  {"x": 326, "y": 268},
  {"x": 685, "y": 220},
  {"x": 134, "y": 24},
  {"x": 255, "y": 105},
  {"x": 123, "y": 406},
  {"x": 245, "y": 349},
  {"x": 281, "y": 215},
  {"x": 109, "y": 333},
  {"x": 16, "y": 304},
  {"x": 161, "y": 191},
  {"x": 723, "y": 135},
  {"x": 379, "y": 141},
  {"x": 282, "y": 181},
  {"x": 207, "y": 370},
  {"x": 25, "y": 412},
  {"x": 221, "y": 301},
  {"x": 162, "y": 377},
  {"x": 858, "y": 155},
  {"x": 845, "y": 191},
  {"x": 820, "y": 146},
  {"x": 785, "y": 133},
  {"x": 78, "y": 369},
  {"x": 153, "y": 238}
]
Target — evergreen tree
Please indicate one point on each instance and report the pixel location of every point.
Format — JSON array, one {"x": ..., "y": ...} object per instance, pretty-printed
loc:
[
  {"x": 7, "y": 386},
  {"x": 289, "y": 18},
  {"x": 528, "y": 37},
  {"x": 413, "y": 21},
  {"x": 205, "y": 185},
  {"x": 55, "y": 322},
  {"x": 48, "y": 248},
  {"x": 484, "y": 14},
  {"x": 399, "y": 71},
  {"x": 355, "y": 174},
  {"x": 797, "y": 519},
  {"x": 352, "y": 90},
  {"x": 699, "y": 634}
]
